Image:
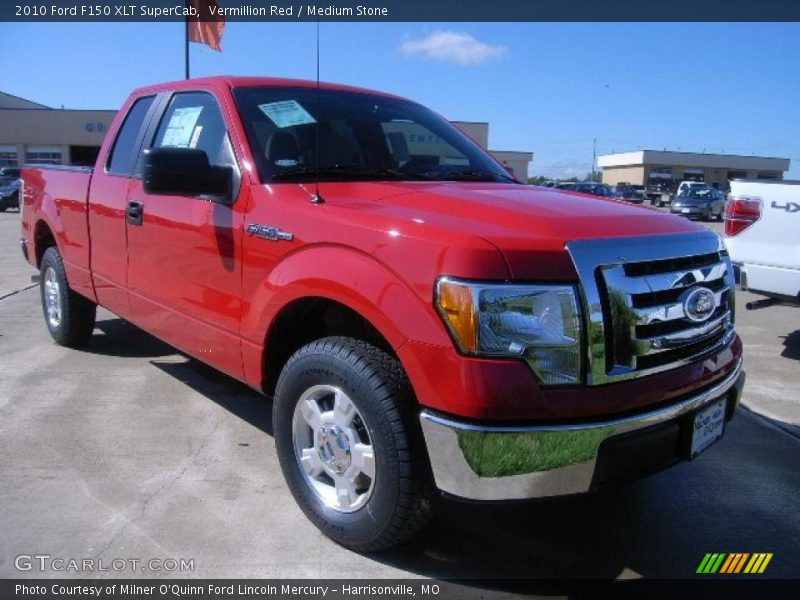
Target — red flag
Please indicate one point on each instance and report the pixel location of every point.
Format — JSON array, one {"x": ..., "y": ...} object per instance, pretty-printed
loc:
[{"x": 207, "y": 27}]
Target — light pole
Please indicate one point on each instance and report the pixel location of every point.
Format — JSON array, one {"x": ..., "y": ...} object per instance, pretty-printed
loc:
[{"x": 594, "y": 157}]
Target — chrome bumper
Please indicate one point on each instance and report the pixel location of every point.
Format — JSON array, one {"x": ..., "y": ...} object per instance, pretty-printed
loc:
[{"x": 512, "y": 463}]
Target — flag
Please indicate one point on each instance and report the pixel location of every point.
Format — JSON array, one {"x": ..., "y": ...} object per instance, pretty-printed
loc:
[{"x": 205, "y": 28}]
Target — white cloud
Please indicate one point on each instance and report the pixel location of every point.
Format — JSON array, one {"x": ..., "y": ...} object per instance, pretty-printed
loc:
[{"x": 454, "y": 47}]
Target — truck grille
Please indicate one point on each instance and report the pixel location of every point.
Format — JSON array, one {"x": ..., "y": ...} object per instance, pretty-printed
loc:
[{"x": 643, "y": 299}]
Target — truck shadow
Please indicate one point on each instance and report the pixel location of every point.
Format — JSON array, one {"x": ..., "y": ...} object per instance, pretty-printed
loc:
[
  {"x": 120, "y": 338},
  {"x": 791, "y": 343},
  {"x": 735, "y": 498}
]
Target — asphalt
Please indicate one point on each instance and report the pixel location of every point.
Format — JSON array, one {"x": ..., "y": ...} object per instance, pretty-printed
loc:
[{"x": 127, "y": 449}]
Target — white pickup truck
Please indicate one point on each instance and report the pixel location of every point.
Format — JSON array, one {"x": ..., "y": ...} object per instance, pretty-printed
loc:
[{"x": 762, "y": 234}]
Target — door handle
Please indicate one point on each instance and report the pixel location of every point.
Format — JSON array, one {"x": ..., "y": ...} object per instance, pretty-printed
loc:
[{"x": 135, "y": 212}]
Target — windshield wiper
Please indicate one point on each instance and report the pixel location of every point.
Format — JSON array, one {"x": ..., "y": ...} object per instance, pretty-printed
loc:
[
  {"x": 343, "y": 171},
  {"x": 471, "y": 175}
]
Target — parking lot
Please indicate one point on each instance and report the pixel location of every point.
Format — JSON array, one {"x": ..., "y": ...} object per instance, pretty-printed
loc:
[{"x": 127, "y": 449}]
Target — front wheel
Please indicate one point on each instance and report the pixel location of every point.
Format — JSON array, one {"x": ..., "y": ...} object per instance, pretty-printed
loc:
[
  {"x": 69, "y": 316},
  {"x": 348, "y": 443}
]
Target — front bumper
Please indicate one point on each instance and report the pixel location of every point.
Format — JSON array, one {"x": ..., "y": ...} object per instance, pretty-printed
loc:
[{"x": 513, "y": 463}]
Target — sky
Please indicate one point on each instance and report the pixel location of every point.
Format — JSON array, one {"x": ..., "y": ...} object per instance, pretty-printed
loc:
[{"x": 549, "y": 88}]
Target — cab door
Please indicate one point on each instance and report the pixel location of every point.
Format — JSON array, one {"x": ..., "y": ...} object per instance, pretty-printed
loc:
[
  {"x": 184, "y": 273},
  {"x": 108, "y": 194}
]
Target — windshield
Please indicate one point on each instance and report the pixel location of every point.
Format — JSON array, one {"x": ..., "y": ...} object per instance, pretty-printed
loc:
[
  {"x": 696, "y": 194},
  {"x": 355, "y": 136}
]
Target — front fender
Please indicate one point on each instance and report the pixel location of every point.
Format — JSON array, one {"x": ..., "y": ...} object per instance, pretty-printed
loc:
[{"x": 354, "y": 279}]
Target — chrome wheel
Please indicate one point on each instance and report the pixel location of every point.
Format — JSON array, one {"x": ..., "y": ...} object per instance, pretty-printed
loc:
[
  {"x": 52, "y": 298},
  {"x": 333, "y": 448}
]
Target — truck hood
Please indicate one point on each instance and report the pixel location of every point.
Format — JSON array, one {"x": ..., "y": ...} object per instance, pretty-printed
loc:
[{"x": 529, "y": 225}]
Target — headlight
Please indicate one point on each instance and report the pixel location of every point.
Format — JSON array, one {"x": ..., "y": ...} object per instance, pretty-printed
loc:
[{"x": 537, "y": 323}]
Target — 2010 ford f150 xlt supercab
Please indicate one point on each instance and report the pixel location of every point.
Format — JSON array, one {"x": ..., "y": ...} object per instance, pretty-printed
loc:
[{"x": 422, "y": 320}]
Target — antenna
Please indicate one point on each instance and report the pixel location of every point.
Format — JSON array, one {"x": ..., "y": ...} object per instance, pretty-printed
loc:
[{"x": 317, "y": 198}]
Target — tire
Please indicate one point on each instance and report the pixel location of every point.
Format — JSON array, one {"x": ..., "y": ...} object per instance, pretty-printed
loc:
[
  {"x": 69, "y": 316},
  {"x": 335, "y": 490}
]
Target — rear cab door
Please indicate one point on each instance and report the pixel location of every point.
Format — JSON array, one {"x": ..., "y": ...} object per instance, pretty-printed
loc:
[{"x": 108, "y": 194}]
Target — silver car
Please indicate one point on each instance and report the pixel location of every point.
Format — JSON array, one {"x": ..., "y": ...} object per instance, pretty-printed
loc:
[{"x": 705, "y": 203}]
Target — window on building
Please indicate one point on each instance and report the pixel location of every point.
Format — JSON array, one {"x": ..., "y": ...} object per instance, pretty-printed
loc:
[
  {"x": 737, "y": 174},
  {"x": 766, "y": 175},
  {"x": 44, "y": 155},
  {"x": 8, "y": 159}
]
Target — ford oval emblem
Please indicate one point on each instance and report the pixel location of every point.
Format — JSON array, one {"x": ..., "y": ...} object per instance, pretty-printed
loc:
[{"x": 699, "y": 304}]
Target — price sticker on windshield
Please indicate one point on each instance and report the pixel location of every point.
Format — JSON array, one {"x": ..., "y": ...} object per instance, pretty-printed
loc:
[{"x": 286, "y": 113}]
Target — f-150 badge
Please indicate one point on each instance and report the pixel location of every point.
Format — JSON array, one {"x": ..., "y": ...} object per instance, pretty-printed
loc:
[{"x": 269, "y": 233}]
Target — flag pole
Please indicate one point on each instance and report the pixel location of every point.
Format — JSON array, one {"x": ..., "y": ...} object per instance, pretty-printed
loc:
[{"x": 186, "y": 46}]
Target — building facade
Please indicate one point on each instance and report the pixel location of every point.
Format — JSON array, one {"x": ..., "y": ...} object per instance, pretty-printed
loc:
[
  {"x": 668, "y": 169},
  {"x": 31, "y": 132},
  {"x": 517, "y": 162}
]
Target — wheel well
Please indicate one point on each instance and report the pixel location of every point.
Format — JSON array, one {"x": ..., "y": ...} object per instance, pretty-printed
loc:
[
  {"x": 309, "y": 319},
  {"x": 43, "y": 238}
]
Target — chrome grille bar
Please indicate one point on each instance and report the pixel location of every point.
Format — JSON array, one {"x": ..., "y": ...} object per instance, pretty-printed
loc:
[{"x": 673, "y": 310}]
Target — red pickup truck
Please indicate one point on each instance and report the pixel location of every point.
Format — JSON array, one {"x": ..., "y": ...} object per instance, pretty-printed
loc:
[{"x": 422, "y": 320}]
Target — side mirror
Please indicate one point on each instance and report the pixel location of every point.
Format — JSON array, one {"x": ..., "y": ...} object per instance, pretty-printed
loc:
[{"x": 185, "y": 172}]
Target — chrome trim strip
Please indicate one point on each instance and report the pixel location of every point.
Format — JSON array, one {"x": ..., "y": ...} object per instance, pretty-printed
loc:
[
  {"x": 681, "y": 338},
  {"x": 641, "y": 284},
  {"x": 553, "y": 460},
  {"x": 671, "y": 312}
]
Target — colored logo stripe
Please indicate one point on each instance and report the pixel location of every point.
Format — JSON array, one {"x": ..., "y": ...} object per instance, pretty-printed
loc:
[
  {"x": 758, "y": 563},
  {"x": 722, "y": 562},
  {"x": 735, "y": 562},
  {"x": 711, "y": 563}
]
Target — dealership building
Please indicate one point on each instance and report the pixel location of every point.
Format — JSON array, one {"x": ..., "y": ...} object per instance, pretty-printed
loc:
[
  {"x": 32, "y": 132},
  {"x": 516, "y": 161},
  {"x": 648, "y": 167}
]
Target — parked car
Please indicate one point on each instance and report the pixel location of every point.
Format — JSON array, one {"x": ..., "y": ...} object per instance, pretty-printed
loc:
[
  {"x": 659, "y": 192},
  {"x": 698, "y": 202},
  {"x": 9, "y": 175},
  {"x": 685, "y": 186},
  {"x": 629, "y": 193},
  {"x": 595, "y": 189},
  {"x": 762, "y": 221},
  {"x": 424, "y": 322},
  {"x": 9, "y": 197}
]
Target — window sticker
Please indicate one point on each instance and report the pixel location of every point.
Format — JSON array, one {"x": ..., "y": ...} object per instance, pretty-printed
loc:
[
  {"x": 195, "y": 136},
  {"x": 180, "y": 128},
  {"x": 286, "y": 113}
]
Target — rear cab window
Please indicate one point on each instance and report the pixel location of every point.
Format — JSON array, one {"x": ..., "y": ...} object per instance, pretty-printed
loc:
[{"x": 122, "y": 158}]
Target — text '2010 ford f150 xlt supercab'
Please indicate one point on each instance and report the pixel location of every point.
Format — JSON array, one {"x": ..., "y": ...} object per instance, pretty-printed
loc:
[{"x": 422, "y": 320}]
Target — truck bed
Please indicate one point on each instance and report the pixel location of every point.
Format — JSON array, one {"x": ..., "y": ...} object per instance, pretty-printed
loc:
[{"x": 58, "y": 194}]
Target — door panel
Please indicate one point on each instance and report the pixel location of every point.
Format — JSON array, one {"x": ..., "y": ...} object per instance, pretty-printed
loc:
[
  {"x": 107, "y": 197},
  {"x": 184, "y": 273}
]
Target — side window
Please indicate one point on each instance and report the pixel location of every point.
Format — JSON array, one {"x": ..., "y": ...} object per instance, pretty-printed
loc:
[
  {"x": 123, "y": 153},
  {"x": 193, "y": 120}
]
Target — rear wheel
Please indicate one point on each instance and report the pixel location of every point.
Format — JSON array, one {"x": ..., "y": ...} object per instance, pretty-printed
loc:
[
  {"x": 69, "y": 316},
  {"x": 347, "y": 441}
]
